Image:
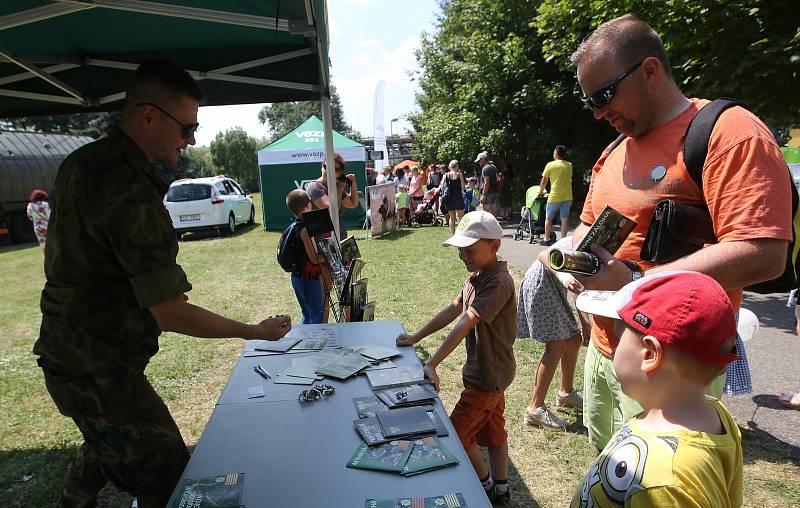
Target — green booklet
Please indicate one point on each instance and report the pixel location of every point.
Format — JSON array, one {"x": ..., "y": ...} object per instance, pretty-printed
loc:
[
  {"x": 444, "y": 501},
  {"x": 390, "y": 456},
  {"x": 427, "y": 455},
  {"x": 222, "y": 491}
]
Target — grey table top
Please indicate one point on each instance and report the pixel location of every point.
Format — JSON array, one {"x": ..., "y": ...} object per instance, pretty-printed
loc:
[{"x": 294, "y": 455}]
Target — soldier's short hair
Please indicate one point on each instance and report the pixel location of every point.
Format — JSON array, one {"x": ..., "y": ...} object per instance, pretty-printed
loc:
[
  {"x": 628, "y": 39},
  {"x": 296, "y": 201},
  {"x": 561, "y": 151},
  {"x": 160, "y": 76}
]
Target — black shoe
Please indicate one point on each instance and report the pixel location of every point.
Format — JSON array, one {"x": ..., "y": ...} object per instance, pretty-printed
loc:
[
  {"x": 546, "y": 243},
  {"x": 503, "y": 499}
]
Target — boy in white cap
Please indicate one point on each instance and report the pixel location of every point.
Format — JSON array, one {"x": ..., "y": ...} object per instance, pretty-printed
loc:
[
  {"x": 487, "y": 316},
  {"x": 677, "y": 334}
]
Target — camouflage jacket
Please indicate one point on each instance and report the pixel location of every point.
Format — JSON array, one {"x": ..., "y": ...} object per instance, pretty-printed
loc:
[{"x": 110, "y": 255}]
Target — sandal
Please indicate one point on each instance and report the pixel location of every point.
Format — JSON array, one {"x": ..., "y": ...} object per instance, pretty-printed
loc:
[{"x": 790, "y": 400}]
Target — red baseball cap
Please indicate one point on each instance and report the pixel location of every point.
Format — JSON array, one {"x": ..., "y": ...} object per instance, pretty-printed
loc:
[{"x": 686, "y": 310}]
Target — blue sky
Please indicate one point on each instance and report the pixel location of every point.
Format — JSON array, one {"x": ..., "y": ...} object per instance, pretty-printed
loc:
[{"x": 370, "y": 40}]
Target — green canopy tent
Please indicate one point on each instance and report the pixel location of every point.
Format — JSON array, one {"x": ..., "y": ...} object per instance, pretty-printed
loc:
[
  {"x": 76, "y": 56},
  {"x": 294, "y": 160}
]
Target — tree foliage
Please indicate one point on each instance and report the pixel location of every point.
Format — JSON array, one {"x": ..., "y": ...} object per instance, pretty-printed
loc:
[
  {"x": 233, "y": 152},
  {"x": 283, "y": 117},
  {"x": 485, "y": 85},
  {"x": 78, "y": 124},
  {"x": 748, "y": 49}
]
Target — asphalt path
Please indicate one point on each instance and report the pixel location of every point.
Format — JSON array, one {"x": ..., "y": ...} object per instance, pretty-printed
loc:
[{"x": 773, "y": 356}]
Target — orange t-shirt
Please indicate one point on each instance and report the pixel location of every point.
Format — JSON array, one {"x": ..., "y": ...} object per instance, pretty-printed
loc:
[{"x": 745, "y": 183}]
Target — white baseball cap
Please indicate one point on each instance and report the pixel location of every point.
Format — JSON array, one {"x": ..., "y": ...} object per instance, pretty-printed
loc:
[
  {"x": 475, "y": 226},
  {"x": 482, "y": 155}
]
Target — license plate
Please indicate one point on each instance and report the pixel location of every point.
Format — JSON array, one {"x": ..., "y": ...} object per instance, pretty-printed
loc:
[{"x": 186, "y": 218}]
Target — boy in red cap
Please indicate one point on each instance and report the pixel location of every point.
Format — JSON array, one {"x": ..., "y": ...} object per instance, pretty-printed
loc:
[{"x": 677, "y": 333}]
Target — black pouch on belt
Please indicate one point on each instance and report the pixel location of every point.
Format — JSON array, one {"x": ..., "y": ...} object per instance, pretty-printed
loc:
[{"x": 677, "y": 230}]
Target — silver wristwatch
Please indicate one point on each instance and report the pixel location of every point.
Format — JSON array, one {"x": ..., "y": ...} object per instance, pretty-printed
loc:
[{"x": 636, "y": 276}]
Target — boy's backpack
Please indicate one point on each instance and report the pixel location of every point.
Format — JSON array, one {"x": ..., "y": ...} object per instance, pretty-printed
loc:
[
  {"x": 291, "y": 248},
  {"x": 695, "y": 149}
]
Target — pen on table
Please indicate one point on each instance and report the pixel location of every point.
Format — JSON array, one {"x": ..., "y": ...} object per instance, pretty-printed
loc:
[{"x": 261, "y": 372}]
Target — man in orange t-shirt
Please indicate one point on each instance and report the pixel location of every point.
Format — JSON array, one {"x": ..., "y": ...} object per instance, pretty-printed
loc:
[{"x": 624, "y": 71}]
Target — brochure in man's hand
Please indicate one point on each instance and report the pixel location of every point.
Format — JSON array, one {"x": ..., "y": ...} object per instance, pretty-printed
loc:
[
  {"x": 609, "y": 230},
  {"x": 221, "y": 491}
]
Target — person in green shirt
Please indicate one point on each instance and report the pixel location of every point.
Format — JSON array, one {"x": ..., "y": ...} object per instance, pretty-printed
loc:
[
  {"x": 113, "y": 285},
  {"x": 559, "y": 173}
]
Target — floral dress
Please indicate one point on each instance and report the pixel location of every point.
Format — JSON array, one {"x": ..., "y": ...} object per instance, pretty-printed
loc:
[{"x": 39, "y": 214}]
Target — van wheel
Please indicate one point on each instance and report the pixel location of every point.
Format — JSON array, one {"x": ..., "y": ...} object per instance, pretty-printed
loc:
[
  {"x": 231, "y": 224},
  {"x": 252, "y": 215},
  {"x": 179, "y": 235}
]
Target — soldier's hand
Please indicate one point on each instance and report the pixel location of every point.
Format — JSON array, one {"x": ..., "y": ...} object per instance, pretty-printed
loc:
[{"x": 273, "y": 328}]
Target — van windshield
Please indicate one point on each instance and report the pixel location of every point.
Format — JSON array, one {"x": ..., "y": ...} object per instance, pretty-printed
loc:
[{"x": 189, "y": 192}]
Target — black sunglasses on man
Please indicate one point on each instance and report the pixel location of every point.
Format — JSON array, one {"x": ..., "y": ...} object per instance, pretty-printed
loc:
[
  {"x": 187, "y": 129},
  {"x": 603, "y": 96}
]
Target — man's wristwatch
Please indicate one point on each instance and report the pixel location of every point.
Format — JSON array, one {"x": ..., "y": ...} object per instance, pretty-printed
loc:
[{"x": 636, "y": 276}]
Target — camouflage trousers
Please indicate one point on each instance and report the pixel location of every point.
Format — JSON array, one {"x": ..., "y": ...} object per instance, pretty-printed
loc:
[{"x": 130, "y": 438}]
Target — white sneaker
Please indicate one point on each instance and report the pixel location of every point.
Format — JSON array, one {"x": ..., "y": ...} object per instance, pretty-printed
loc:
[
  {"x": 571, "y": 399},
  {"x": 543, "y": 417}
]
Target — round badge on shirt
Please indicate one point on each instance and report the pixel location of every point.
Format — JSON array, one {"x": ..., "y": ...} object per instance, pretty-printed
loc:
[{"x": 658, "y": 172}]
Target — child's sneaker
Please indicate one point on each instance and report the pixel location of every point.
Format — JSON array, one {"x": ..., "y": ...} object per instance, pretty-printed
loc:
[
  {"x": 571, "y": 399},
  {"x": 543, "y": 417},
  {"x": 499, "y": 499}
]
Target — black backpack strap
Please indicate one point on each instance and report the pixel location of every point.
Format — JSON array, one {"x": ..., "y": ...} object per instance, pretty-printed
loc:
[{"x": 695, "y": 143}]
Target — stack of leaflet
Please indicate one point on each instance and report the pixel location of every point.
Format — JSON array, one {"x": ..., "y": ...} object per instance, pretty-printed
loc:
[
  {"x": 399, "y": 376},
  {"x": 370, "y": 430},
  {"x": 404, "y": 457},
  {"x": 406, "y": 396},
  {"x": 405, "y": 423}
]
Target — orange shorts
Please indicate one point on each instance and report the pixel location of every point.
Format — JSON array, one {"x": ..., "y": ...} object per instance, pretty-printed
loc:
[{"x": 478, "y": 417}]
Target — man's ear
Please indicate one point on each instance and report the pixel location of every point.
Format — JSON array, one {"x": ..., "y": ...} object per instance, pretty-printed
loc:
[
  {"x": 653, "y": 354},
  {"x": 495, "y": 246},
  {"x": 146, "y": 116}
]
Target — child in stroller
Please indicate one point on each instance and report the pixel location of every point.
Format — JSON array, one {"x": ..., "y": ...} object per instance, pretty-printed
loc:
[
  {"x": 533, "y": 214},
  {"x": 425, "y": 212}
]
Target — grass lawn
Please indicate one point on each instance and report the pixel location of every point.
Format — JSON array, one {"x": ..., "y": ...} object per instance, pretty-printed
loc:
[{"x": 411, "y": 277}]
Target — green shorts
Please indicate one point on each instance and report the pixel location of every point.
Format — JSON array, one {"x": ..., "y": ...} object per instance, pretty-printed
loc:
[{"x": 605, "y": 407}]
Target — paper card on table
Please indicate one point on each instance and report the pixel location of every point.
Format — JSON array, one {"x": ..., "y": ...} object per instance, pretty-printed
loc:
[
  {"x": 389, "y": 378},
  {"x": 223, "y": 491},
  {"x": 310, "y": 344},
  {"x": 378, "y": 352},
  {"x": 441, "y": 430},
  {"x": 391, "y": 456},
  {"x": 281, "y": 345},
  {"x": 255, "y": 392},
  {"x": 367, "y": 406},
  {"x": 408, "y": 421},
  {"x": 386, "y": 364},
  {"x": 428, "y": 454},
  {"x": 451, "y": 500},
  {"x": 370, "y": 431},
  {"x": 344, "y": 366},
  {"x": 279, "y": 379}
]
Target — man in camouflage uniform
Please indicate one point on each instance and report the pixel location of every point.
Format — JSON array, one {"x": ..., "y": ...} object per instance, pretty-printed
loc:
[{"x": 113, "y": 285}]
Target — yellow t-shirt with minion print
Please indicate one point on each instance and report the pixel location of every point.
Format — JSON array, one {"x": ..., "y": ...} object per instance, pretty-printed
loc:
[{"x": 686, "y": 468}]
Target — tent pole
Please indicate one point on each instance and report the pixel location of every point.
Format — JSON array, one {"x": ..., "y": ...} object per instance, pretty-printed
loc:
[{"x": 333, "y": 196}]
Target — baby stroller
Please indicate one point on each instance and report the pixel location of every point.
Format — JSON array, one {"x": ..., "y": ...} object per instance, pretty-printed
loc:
[
  {"x": 533, "y": 214},
  {"x": 425, "y": 213}
]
